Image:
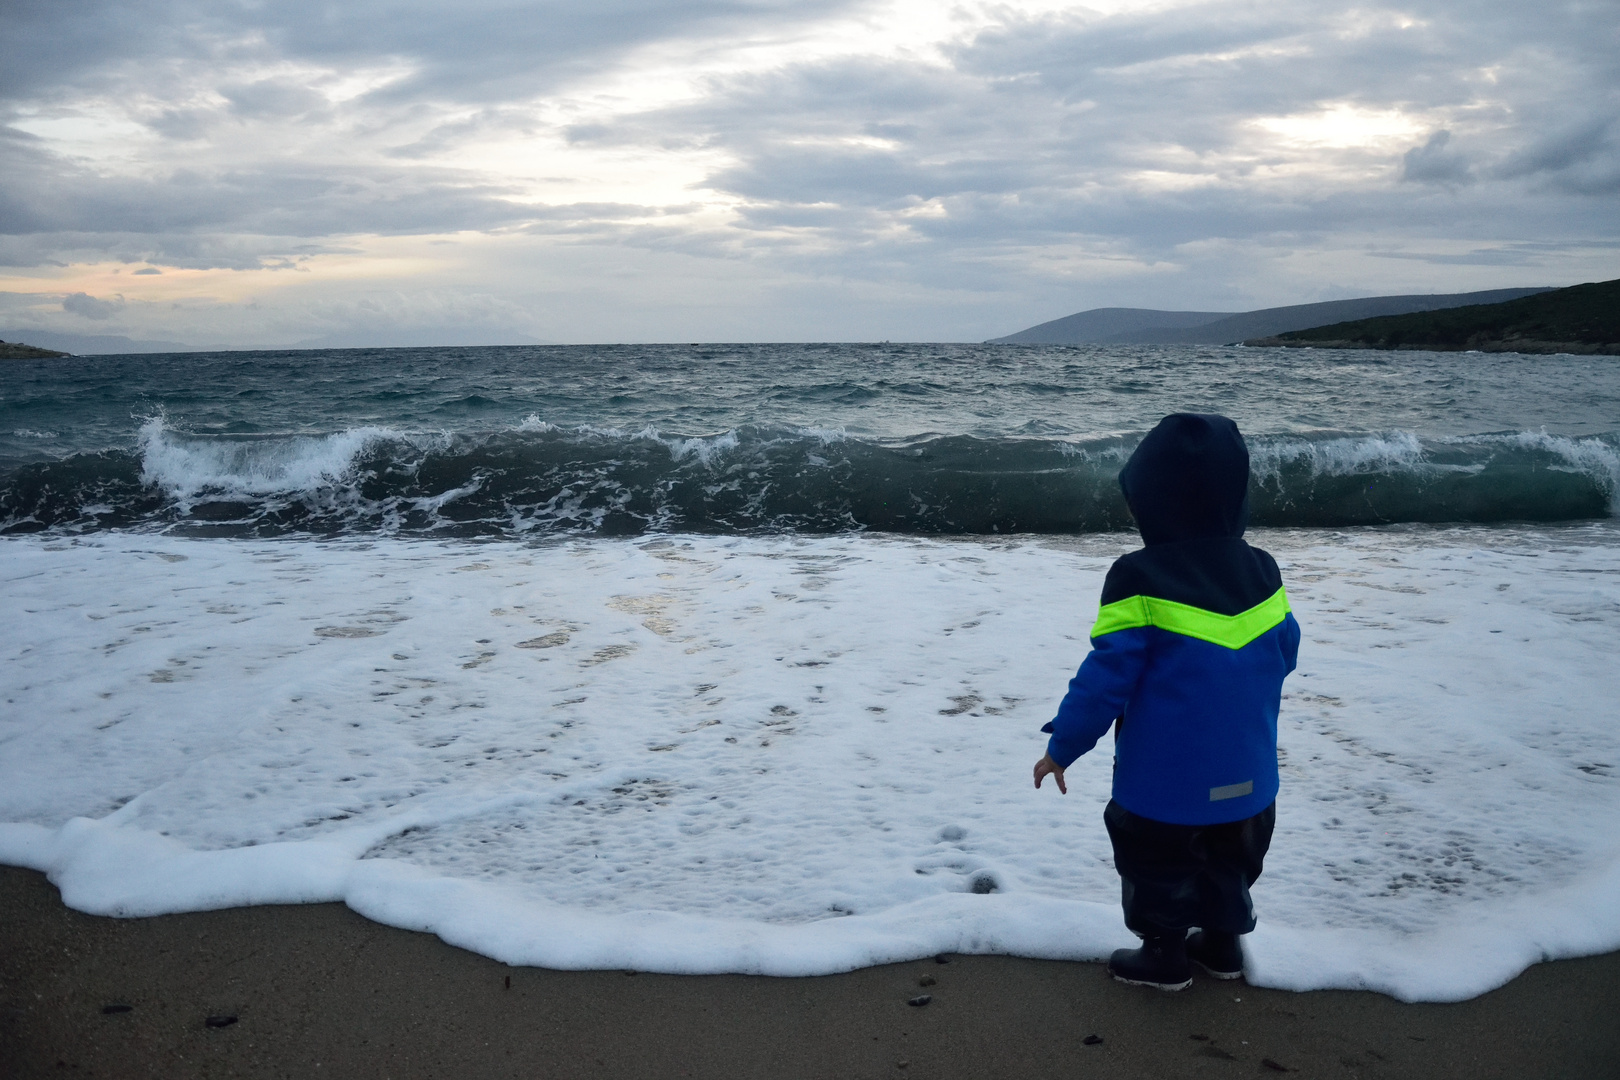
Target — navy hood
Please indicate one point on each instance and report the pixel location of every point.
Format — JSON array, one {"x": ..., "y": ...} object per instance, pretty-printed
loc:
[{"x": 1189, "y": 480}]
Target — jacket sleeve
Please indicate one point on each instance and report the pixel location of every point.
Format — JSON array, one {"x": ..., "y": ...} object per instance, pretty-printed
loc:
[
  {"x": 1097, "y": 694},
  {"x": 1290, "y": 642}
]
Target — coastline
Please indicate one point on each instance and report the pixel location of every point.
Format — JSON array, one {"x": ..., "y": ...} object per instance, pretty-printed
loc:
[
  {"x": 1515, "y": 345},
  {"x": 16, "y": 350},
  {"x": 319, "y": 990}
]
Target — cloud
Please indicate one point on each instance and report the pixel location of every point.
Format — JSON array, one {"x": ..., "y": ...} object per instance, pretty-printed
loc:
[
  {"x": 88, "y": 307},
  {"x": 1581, "y": 157},
  {"x": 279, "y": 98},
  {"x": 48, "y": 193},
  {"x": 471, "y": 51},
  {"x": 950, "y": 158},
  {"x": 1432, "y": 163}
]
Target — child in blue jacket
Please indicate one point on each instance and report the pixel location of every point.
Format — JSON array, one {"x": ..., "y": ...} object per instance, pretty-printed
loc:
[{"x": 1187, "y": 662}]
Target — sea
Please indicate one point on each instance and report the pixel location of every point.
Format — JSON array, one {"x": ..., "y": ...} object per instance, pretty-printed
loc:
[{"x": 733, "y": 658}]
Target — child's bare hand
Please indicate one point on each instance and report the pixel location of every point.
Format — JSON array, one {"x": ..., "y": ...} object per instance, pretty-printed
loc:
[{"x": 1047, "y": 767}]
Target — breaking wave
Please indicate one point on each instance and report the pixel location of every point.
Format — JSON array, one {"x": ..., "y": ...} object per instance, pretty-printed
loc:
[{"x": 539, "y": 479}]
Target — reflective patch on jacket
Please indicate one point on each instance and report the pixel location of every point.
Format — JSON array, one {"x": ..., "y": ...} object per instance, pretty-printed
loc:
[{"x": 1228, "y": 631}]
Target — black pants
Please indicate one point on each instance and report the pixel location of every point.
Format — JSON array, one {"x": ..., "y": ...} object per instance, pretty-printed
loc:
[{"x": 1173, "y": 877}]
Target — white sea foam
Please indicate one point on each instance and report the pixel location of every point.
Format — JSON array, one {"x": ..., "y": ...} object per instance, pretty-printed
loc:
[
  {"x": 701, "y": 447},
  {"x": 1391, "y": 451},
  {"x": 800, "y": 755},
  {"x": 1592, "y": 457},
  {"x": 826, "y": 436},
  {"x": 1398, "y": 452},
  {"x": 188, "y": 467}
]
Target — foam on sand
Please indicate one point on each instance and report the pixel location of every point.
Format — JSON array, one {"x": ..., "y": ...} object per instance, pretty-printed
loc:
[{"x": 795, "y": 756}]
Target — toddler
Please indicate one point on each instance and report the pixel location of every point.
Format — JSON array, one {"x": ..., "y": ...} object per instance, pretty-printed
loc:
[{"x": 1187, "y": 661}]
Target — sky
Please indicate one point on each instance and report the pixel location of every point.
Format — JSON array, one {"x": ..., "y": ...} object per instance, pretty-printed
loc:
[{"x": 256, "y": 174}]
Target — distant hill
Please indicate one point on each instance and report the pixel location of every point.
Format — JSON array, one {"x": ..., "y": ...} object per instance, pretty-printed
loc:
[
  {"x": 94, "y": 344},
  {"x": 1106, "y": 324},
  {"x": 1579, "y": 319},
  {"x": 16, "y": 350},
  {"x": 1145, "y": 326}
]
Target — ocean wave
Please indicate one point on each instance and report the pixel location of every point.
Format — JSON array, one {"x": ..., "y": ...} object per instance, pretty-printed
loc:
[
  {"x": 537, "y": 478},
  {"x": 191, "y": 469},
  {"x": 1359, "y": 479}
]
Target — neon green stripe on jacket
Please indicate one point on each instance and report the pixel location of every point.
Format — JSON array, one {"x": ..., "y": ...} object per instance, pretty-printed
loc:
[{"x": 1231, "y": 631}]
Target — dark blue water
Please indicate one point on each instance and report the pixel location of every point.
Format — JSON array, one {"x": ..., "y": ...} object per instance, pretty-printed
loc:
[{"x": 910, "y": 438}]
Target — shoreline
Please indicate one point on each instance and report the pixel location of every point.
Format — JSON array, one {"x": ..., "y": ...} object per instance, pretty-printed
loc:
[
  {"x": 319, "y": 990},
  {"x": 1523, "y": 347}
]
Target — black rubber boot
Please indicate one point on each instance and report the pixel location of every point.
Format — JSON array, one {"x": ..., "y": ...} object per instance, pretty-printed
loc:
[
  {"x": 1160, "y": 962},
  {"x": 1217, "y": 953}
]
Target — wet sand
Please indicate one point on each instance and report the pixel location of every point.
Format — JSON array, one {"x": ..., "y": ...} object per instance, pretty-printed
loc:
[{"x": 319, "y": 991}]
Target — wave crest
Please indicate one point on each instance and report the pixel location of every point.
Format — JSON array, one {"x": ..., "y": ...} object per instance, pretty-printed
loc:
[
  {"x": 537, "y": 478},
  {"x": 189, "y": 468}
]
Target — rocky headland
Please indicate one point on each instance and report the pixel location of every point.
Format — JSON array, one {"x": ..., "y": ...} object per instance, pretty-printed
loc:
[
  {"x": 1582, "y": 319},
  {"x": 15, "y": 350}
]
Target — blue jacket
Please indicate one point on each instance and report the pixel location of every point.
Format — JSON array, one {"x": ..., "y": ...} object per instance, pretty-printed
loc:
[{"x": 1192, "y": 642}]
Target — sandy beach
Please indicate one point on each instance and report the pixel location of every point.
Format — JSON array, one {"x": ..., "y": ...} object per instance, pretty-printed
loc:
[{"x": 316, "y": 990}]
